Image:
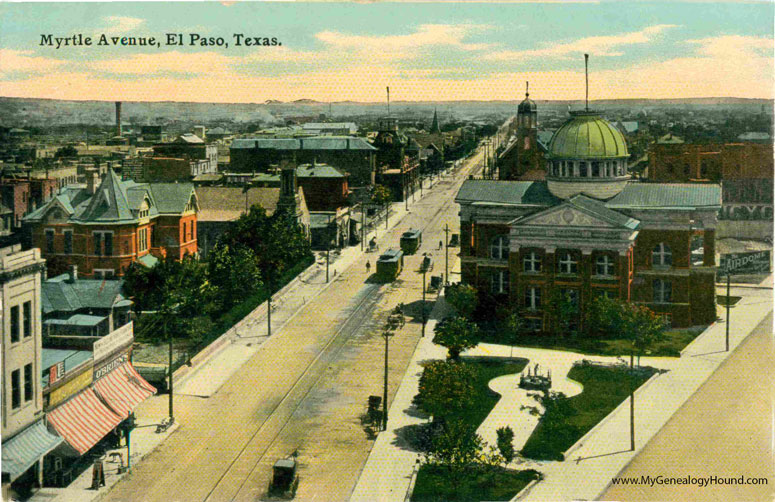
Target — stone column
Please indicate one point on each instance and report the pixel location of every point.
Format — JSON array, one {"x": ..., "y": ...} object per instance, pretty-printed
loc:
[{"x": 624, "y": 274}]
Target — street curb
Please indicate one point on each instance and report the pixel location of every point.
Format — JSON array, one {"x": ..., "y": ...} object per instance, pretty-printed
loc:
[
  {"x": 524, "y": 491},
  {"x": 607, "y": 418}
]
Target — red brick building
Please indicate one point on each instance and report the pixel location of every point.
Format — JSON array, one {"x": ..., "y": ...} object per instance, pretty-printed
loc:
[
  {"x": 588, "y": 230},
  {"x": 104, "y": 228},
  {"x": 681, "y": 162}
]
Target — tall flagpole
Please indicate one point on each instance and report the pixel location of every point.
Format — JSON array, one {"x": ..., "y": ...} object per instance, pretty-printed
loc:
[{"x": 586, "y": 78}]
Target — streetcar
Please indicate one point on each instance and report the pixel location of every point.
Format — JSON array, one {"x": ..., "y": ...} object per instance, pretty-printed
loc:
[
  {"x": 411, "y": 241},
  {"x": 390, "y": 264}
]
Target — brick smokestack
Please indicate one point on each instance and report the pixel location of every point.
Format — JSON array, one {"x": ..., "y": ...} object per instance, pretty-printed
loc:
[{"x": 118, "y": 117}]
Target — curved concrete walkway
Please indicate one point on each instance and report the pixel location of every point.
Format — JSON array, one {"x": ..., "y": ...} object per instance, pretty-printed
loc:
[{"x": 517, "y": 407}]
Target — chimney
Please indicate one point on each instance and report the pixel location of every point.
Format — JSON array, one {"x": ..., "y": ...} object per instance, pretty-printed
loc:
[
  {"x": 73, "y": 274},
  {"x": 118, "y": 117},
  {"x": 92, "y": 182}
]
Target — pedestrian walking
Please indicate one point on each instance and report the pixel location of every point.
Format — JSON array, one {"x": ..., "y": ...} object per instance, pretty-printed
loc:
[
  {"x": 368, "y": 266},
  {"x": 441, "y": 244}
]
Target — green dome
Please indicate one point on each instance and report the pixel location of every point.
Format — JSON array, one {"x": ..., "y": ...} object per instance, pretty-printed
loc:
[{"x": 587, "y": 135}]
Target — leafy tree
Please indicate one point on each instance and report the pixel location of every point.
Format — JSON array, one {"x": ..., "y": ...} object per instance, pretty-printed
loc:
[
  {"x": 557, "y": 410},
  {"x": 234, "y": 271},
  {"x": 445, "y": 388},
  {"x": 65, "y": 152},
  {"x": 459, "y": 449},
  {"x": 463, "y": 298},
  {"x": 381, "y": 195},
  {"x": 506, "y": 443},
  {"x": 277, "y": 241},
  {"x": 605, "y": 318},
  {"x": 562, "y": 312},
  {"x": 643, "y": 327},
  {"x": 456, "y": 334}
]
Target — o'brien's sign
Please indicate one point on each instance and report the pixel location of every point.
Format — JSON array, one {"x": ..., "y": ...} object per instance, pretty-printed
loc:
[{"x": 745, "y": 263}]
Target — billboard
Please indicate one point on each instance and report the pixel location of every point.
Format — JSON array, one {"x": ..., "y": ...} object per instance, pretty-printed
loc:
[{"x": 756, "y": 262}]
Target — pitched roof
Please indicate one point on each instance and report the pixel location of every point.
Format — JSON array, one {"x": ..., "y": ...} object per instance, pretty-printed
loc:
[
  {"x": 189, "y": 138},
  {"x": 109, "y": 203},
  {"x": 60, "y": 295},
  {"x": 172, "y": 197},
  {"x": 667, "y": 195},
  {"x": 228, "y": 203},
  {"x": 534, "y": 193},
  {"x": 318, "y": 171},
  {"x": 599, "y": 210}
]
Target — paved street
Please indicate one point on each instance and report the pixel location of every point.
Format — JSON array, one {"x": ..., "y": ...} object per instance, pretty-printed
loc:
[{"x": 303, "y": 390}]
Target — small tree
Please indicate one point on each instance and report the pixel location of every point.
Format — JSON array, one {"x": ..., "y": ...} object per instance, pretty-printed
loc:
[
  {"x": 445, "y": 388},
  {"x": 562, "y": 311},
  {"x": 234, "y": 271},
  {"x": 382, "y": 196},
  {"x": 458, "y": 448},
  {"x": 506, "y": 443},
  {"x": 456, "y": 334},
  {"x": 643, "y": 327},
  {"x": 463, "y": 298}
]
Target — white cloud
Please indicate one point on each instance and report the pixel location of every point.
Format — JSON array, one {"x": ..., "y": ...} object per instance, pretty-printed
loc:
[
  {"x": 118, "y": 25},
  {"x": 23, "y": 61},
  {"x": 602, "y": 45}
]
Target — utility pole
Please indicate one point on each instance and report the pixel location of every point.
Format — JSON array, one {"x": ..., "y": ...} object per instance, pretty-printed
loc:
[
  {"x": 632, "y": 403},
  {"x": 386, "y": 334},
  {"x": 269, "y": 312},
  {"x": 728, "y": 302},
  {"x": 424, "y": 270},
  {"x": 446, "y": 253},
  {"x": 328, "y": 245},
  {"x": 169, "y": 338},
  {"x": 363, "y": 221}
]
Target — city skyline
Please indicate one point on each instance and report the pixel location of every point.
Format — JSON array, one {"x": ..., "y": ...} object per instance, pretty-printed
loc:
[{"x": 424, "y": 52}]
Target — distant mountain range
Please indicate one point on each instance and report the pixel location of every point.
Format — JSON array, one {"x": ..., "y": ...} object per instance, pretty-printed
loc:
[{"x": 39, "y": 112}]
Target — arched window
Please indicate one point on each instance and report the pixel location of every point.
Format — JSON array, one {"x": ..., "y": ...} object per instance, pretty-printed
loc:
[
  {"x": 661, "y": 256},
  {"x": 663, "y": 291},
  {"x": 605, "y": 265},
  {"x": 499, "y": 249},
  {"x": 532, "y": 262},
  {"x": 499, "y": 282},
  {"x": 568, "y": 263}
]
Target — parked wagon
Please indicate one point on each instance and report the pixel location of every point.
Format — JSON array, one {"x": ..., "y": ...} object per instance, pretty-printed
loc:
[
  {"x": 411, "y": 241},
  {"x": 285, "y": 480},
  {"x": 390, "y": 264}
]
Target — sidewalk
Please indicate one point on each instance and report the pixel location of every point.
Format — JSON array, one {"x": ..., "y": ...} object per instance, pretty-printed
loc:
[
  {"x": 390, "y": 468},
  {"x": 605, "y": 452},
  {"x": 143, "y": 441}
]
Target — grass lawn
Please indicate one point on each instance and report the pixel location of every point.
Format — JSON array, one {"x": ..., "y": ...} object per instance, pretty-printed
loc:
[
  {"x": 673, "y": 342},
  {"x": 494, "y": 483},
  {"x": 605, "y": 387},
  {"x": 722, "y": 300},
  {"x": 485, "y": 399}
]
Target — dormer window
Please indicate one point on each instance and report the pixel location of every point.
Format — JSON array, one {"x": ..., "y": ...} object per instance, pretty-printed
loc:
[{"x": 144, "y": 213}]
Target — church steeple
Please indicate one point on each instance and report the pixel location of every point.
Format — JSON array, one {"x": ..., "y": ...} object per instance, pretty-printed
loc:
[{"x": 435, "y": 129}]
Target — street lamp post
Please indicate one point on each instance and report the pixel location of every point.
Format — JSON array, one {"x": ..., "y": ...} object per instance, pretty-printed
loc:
[
  {"x": 169, "y": 370},
  {"x": 446, "y": 253},
  {"x": 632, "y": 402},
  {"x": 424, "y": 270}
]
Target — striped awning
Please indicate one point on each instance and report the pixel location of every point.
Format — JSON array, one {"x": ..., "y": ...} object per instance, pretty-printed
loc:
[
  {"x": 83, "y": 420},
  {"x": 27, "y": 447},
  {"x": 123, "y": 389}
]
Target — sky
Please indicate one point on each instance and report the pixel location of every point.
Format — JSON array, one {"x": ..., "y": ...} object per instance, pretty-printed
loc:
[{"x": 423, "y": 51}]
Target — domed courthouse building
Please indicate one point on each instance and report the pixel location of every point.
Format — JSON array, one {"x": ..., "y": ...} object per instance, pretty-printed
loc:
[{"x": 589, "y": 230}]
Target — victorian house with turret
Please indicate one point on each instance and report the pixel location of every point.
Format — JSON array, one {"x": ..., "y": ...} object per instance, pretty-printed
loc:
[
  {"x": 588, "y": 230},
  {"x": 103, "y": 227}
]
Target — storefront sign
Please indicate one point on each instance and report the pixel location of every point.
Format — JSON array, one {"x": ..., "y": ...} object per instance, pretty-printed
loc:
[
  {"x": 118, "y": 339},
  {"x": 745, "y": 263},
  {"x": 110, "y": 366},
  {"x": 56, "y": 372},
  {"x": 71, "y": 388}
]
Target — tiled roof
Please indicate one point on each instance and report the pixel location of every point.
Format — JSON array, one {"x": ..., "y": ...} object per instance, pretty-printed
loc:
[
  {"x": 534, "y": 193},
  {"x": 228, "y": 203},
  {"x": 667, "y": 195}
]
